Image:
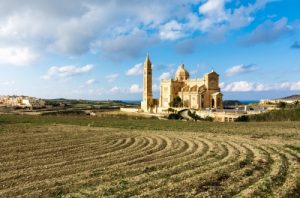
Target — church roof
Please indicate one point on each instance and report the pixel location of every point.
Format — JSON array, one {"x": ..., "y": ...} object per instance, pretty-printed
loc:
[
  {"x": 213, "y": 72},
  {"x": 182, "y": 73}
]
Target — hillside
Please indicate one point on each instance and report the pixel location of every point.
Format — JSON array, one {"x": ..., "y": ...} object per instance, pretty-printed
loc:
[{"x": 292, "y": 97}]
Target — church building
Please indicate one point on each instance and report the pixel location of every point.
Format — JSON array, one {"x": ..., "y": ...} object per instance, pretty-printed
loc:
[{"x": 198, "y": 93}]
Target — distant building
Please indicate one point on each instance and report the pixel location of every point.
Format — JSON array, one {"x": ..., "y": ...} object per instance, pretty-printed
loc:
[{"x": 194, "y": 93}]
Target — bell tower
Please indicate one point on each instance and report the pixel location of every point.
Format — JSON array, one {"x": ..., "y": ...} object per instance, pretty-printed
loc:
[{"x": 147, "y": 94}]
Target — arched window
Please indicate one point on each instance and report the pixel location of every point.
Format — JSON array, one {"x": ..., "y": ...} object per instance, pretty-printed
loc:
[{"x": 212, "y": 103}]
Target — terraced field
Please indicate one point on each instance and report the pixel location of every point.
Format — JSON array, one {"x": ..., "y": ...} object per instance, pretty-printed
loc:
[{"x": 78, "y": 161}]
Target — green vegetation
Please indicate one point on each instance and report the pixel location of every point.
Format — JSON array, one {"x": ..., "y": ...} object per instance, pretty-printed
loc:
[
  {"x": 175, "y": 116},
  {"x": 282, "y": 105},
  {"x": 286, "y": 112},
  {"x": 196, "y": 117},
  {"x": 276, "y": 115},
  {"x": 243, "y": 118},
  {"x": 176, "y": 102},
  {"x": 255, "y": 129}
]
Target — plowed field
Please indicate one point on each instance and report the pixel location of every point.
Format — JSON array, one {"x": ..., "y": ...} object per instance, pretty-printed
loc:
[{"x": 81, "y": 161}]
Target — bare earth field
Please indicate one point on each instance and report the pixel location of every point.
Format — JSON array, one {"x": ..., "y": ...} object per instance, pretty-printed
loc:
[{"x": 121, "y": 159}]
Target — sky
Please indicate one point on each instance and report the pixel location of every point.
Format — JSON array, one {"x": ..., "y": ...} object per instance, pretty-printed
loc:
[{"x": 94, "y": 49}]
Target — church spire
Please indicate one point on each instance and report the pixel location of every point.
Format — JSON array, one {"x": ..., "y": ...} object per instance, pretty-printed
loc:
[
  {"x": 148, "y": 61},
  {"x": 147, "y": 95}
]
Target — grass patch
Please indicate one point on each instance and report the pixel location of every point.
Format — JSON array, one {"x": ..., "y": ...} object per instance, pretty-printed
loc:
[{"x": 279, "y": 129}]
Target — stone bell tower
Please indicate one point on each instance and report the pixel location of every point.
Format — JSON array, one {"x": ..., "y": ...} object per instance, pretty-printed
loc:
[{"x": 147, "y": 102}]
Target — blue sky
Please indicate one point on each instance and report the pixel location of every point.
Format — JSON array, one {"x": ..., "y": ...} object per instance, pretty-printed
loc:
[{"x": 95, "y": 49}]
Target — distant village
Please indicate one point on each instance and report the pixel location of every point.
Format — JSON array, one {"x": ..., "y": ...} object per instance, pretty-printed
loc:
[{"x": 22, "y": 102}]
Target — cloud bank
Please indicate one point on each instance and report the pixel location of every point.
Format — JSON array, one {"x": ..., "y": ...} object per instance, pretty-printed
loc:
[
  {"x": 240, "y": 69},
  {"x": 66, "y": 71},
  {"x": 118, "y": 30},
  {"x": 245, "y": 86}
]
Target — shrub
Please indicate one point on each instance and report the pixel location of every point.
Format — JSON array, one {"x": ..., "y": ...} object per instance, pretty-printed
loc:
[
  {"x": 242, "y": 118},
  {"x": 176, "y": 102},
  {"x": 174, "y": 116},
  {"x": 171, "y": 110},
  {"x": 208, "y": 118},
  {"x": 194, "y": 115},
  {"x": 282, "y": 105},
  {"x": 277, "y": 115}
]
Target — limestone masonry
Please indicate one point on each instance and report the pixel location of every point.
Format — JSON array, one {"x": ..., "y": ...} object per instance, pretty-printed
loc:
[{"x": 181, "y": 91}]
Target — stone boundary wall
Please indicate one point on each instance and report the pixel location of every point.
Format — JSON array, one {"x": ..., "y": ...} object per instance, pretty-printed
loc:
[{"x": 129, "y": 110}]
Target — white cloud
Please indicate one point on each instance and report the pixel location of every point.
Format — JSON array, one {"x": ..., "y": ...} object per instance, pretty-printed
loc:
[
  {"x": 11, "y": 82},
  {"x": 295, "y": 86},
  {"x": 66, "y": 71},
  {"x": 115, "y": 89},
  {"x": 171, "y": 31},
  {"x": 244, "y": 86},
  {"x": 165, "y": 76},
  {"x": 217, "y": 19},
  {"x": 73, "y": 28},
  {"x": 91, "y": 81},
  {"x": 239, "y": 86},
  {"x": 127, "y": 45},
  {"x": 222, "y": 85},
  {"x": 135, "y": 70},
  {"x": 214, "y": 15},
  {"x": 239, "y": 69},
  {"x": 83, "y": 26},
  {"x": 135, "y": 88},
  {"x": 17, "y": 56},
  {"x": 112, "y": 77},
  {"x": 214, "y": 9}
]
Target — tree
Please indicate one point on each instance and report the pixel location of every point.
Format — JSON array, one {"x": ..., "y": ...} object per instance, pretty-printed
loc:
[
  {"x": 282, "y": 105},
  {"x": 296, "y": 103},
  {"x": 176, "y": 102}
]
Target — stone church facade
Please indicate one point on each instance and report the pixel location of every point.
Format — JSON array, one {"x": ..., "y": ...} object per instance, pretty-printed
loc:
[{"x": 202, "y": 93}]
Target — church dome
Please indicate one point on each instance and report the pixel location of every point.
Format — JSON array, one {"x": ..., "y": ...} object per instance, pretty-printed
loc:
[{"x": 181, "y": 73}]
